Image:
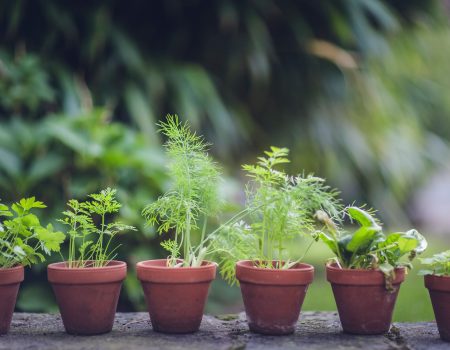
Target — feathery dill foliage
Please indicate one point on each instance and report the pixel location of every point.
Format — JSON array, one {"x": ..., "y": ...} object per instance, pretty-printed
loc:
[
  {"x": 193, "y": 197},
  {"x": 279, "y": 208},
  {"x": 23, "y": 239},
  {"x": 90, "y": 235}
]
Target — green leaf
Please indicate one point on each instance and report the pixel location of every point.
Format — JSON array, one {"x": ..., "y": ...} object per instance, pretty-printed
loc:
[
  {"x": 422, "y": 243},
  {"x": 387, "y": 268},
  {"x": 29, "y": 220},
  {"x": 17, "y": 208},
  {"x": 363, "y": 217},
  {"x": 362, "y": 238},
  {"x": 52, "y": 240},
  {"x": 406, "y": 244},
  {"x": 329, "y": 241},
  {"x": 19, "y": 251}
]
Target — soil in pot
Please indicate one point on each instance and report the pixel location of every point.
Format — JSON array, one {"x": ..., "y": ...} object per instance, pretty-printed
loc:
[
  {"x": 175, "y": 296},
  {"x": 273, "y": 297},
  {"x": 10, "y": 279},
  {"x": 364, "y": 304},
  {"x": 87, "y": 297},
  {"x": 439, "y": 289}
]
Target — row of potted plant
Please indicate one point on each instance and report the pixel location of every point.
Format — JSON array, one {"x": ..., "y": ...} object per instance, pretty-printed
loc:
[{"x": 251, "y": 248}]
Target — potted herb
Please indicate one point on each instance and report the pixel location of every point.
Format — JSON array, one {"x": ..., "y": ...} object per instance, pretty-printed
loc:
[
  {"x": 23, "y": 242},
  {"x": 437, "y": 280},
  {"x": 176, "y": 288},
  {"x": 367, "y": 271},
  {"x": 87, "y": 285},
  {"x": 280, "y": 208}
]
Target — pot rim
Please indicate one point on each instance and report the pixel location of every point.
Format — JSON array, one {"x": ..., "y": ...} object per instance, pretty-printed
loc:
[
  {"x": 333, "y": 266},
  {"x": 155, "y": 271},
  {"x": 437, "y": 283},
  {"x": 16, "y": 267},
  {"x": 300, "y": 276},
  {"x": 11, "y": 275},
  {"x": 298, "y": 267},
  {"x": 206, "y": 264},
  {"x": 361, "y": 277},
  {"x": 59, "y": 273},
  {"x": 112, "y": 265}
]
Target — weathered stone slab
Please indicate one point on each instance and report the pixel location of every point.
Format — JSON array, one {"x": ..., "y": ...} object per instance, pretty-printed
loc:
[{"x": 315, "y": 330}]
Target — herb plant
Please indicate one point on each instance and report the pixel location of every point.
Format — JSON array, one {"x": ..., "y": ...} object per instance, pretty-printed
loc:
[
  {"x": 23, "y": 240},
  {"x": 90, "y": 233},
  {"x": 279, "y": 208},
  {"x": 438, "y": 264},
  {"x": 368, "y": 247},
  {"x": 193, "y": 197}
]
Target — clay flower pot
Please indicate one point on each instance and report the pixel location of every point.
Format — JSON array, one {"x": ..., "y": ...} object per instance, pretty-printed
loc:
[
  {"x": 175, "y": 296},
  {"x": 10, "y": 279},
  {"x": 364, "y": 304},
  {"x": 439, "y": 288},
  {"x": 87, "y": 297},
  {"x": 273, "y": 297}
]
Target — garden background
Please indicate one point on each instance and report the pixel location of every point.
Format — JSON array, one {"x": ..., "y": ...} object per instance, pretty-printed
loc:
[{"x": 357, "y": 89}]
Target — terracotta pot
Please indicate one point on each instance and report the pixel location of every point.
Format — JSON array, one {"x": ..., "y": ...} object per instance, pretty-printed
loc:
[
  {"x": 439, "y": 288},
  {"x": 175, "y": 296},
  {"x": 273, "y": 297},
  {"x": 364, "y": 304},
  {"x": 10, "y": 279},
  {"x": 87, "y": 297}
]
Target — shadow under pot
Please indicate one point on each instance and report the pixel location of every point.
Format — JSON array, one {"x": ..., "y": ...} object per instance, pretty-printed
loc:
[
  {"x": 175, "y": 296},
  {"x": 364, "y": 304},
  {"x": 439, "y": 289},
  {"x": 10, "y": 279},
  {"x": 273, "y": 297},
  {"x": 87, "y": 297}
]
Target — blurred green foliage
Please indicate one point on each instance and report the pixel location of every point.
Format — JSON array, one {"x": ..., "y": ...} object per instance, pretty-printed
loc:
[{"x": 355, "y": 88}]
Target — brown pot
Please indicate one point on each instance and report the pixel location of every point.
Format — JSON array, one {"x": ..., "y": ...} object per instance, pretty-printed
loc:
[
  {"x": 87, "y": 297},
  {"x": 439, "y": 288},
  {"x": 10, "y": 279},
  {"x": 175, "y": 296},
  {"x": 273, "y": 297},
  {"x": 364, "y": 304}
]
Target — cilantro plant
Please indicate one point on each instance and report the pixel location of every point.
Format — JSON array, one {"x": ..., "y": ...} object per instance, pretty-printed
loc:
[
  {"x": 438, "y": 264},
  {"x": 368, "y": 247},
  {"x": 193, "y": 197},
  {"x": 23, "y": 240},
  {"x": 279, "y": 208},
  {"x": 90, "y": 233}
]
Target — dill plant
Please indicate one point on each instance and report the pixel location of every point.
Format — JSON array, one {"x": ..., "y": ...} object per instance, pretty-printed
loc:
[
  {"x": 23, "y": 240},
  {"x": 90, "y": 234},
  {"x": 193, "y": 197},
  {"x": 279, "y": 208}
]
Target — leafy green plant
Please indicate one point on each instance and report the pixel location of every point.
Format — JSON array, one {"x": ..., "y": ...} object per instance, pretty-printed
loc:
[
  {"x": 438, "y": 264},
  {"x": 193, "y": 197},
  {"x": 90, "y": 242},
  {"x": 23, "y": 239},
  {"x": 368, "y": 247},
  {"x": 279, "y": 208}
]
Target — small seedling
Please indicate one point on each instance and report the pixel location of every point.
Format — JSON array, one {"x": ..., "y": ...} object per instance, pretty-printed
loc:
[
  {"x": 90, "y": 235},
  {"x": 23, "y": 240},
  {"x": 438, "y": 264}
]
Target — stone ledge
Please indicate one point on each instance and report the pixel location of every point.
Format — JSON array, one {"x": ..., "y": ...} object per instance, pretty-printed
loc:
[{"x": 315, "y": 330}]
